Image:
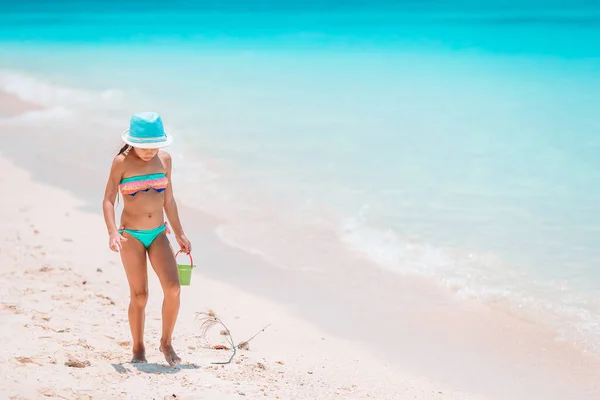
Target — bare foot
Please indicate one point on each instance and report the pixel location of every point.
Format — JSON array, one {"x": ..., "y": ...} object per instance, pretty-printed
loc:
[
  {"x": 170, "y": 355},
  {"x": 139, "y": 356}
]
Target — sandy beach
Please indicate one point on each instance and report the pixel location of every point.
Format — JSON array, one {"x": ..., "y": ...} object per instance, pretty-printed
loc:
[{"x": 64, "y": 331}]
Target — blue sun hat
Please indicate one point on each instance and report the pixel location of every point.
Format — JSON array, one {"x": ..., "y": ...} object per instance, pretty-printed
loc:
[{"x": 146, "y": 131}]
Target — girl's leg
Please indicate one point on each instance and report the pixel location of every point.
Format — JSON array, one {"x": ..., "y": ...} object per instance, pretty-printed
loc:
[
  {"x": 163, "y": 262},
  {"x": 133, "y": 255}
]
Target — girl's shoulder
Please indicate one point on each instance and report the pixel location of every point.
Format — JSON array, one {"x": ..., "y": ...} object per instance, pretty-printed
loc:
[
  {"x": 165, "y": 159},
  {"x": 118, "y": 164},
  {"x": 164, "y": 156},
  {"x": 119, "y": 160}
]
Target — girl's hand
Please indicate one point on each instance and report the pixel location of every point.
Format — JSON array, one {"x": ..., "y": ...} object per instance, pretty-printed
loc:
[
  {"x": 184, "y": 243},
  {"x": 114, "y": 242}
]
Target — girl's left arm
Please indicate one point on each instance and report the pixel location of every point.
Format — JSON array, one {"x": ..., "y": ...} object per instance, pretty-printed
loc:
[{"x": 170, "y": 207}]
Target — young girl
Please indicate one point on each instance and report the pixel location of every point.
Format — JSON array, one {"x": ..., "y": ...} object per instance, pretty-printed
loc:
[{"x": 142, "y": 174}]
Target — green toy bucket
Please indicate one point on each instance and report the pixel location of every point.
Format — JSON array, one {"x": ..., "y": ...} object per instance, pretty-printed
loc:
[{"x": 185, "y": 271}]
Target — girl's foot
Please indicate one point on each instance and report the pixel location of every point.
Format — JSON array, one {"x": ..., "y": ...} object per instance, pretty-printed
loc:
[
  {"x": 170, "y": 355},
  {"x": 139, "y": 356}
]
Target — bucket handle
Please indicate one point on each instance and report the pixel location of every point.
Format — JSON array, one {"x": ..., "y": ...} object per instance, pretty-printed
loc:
[{"x": 189, "y": 255}]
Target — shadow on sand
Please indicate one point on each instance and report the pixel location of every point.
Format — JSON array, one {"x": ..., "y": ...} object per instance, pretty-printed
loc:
[{"x": 152, "y": 368}]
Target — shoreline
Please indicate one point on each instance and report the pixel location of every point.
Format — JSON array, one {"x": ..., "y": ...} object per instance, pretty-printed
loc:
[
  {"x": 12, "y": 106},
  {"x": 431, "y": 330}
]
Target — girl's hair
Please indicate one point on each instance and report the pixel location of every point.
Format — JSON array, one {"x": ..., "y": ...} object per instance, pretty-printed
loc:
[{"x": 124, "y": 150}]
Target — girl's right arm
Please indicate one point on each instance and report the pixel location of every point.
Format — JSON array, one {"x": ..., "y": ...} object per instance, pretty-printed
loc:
[{"x": 108, "y": 204}]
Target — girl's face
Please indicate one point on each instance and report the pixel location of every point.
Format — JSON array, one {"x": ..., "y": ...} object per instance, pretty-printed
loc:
[{"x": 145, "y": 154}]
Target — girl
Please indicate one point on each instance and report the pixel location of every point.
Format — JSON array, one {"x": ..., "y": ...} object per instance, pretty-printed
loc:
[{"x": 142, "y": 174}]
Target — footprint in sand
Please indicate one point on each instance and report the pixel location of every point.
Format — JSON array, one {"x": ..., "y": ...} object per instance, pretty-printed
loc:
[
  {"x": 61, "y": 297},
  {"x": 110, "y": 356},
  {"x": 47, "y": 328},
  {"x": 11, "y": 308},
  {"x": 62, "y": 394},
  {"x": 85, "y": 344},
  {"x": 75, "y": 363},
  {"x": 108, "y": 299},
  {"x": 27, "y": 360},
  {"x": 40, "y": 316},
  {"x": 79, "y": 342}
]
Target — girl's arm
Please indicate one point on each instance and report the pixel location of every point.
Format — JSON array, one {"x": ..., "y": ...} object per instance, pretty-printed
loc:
[
  {"x": 170, "y": 207},
  {"x": 108, "y": 203}
]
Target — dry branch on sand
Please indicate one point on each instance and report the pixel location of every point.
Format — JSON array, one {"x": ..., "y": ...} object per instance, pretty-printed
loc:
[{"x": 209, "y": 319}]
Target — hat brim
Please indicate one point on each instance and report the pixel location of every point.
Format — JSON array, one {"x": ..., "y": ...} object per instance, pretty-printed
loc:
[{"x": 147, "y": 145}]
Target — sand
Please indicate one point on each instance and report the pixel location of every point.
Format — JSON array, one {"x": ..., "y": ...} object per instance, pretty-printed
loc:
[{"x": 64, "y": 332}]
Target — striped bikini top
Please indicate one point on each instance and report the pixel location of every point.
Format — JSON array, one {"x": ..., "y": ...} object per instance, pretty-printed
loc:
[{"x": 143, "y": 183}]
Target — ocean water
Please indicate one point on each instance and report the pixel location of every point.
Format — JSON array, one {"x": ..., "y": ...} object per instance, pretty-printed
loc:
[{"x": 446, "y": 140}]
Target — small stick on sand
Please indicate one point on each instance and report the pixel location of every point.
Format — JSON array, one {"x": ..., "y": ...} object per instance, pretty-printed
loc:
[{"x": 244, "y": 345}]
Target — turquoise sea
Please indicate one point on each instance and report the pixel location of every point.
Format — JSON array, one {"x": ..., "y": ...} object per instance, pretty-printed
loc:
[{"x": 443, "y": 139}]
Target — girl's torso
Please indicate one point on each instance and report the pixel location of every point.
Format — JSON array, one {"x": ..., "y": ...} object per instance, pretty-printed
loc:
[{"x": 142, "y": 188}]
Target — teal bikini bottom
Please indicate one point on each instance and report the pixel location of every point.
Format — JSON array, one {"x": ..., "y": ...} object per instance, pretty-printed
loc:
[{"x": 146, "y": 236}]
